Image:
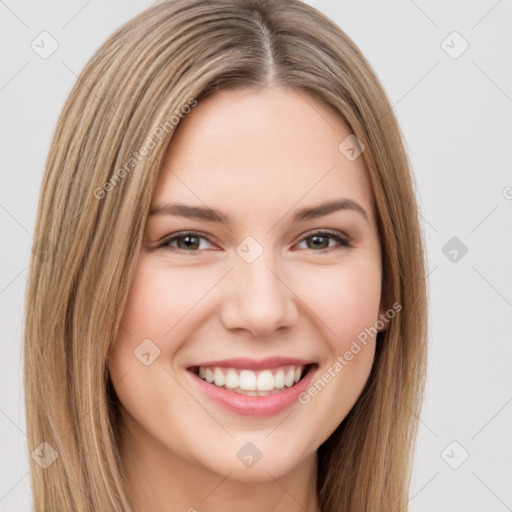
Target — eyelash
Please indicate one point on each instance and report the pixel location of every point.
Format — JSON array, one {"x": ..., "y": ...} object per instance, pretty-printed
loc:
[{"x": 342, "y": 241}]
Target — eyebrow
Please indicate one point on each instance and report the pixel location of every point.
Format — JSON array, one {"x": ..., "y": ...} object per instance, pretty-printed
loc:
[{"x": 212, "y": 215}]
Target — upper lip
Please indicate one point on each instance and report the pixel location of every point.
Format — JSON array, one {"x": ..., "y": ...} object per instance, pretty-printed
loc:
[{"x": 254, "y": 364}]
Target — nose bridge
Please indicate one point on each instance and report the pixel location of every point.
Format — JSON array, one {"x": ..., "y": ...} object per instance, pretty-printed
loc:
[{"x": 257, "y": 297}]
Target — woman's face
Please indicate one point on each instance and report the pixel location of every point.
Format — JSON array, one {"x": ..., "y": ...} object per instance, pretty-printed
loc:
[{"x": 258, "y": 293}]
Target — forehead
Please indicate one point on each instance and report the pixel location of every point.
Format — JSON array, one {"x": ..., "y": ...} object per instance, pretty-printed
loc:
[{"x": 260, "y": 150}]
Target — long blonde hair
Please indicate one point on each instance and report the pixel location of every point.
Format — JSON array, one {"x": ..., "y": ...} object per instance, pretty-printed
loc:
[{"x": 95, "y": 196}]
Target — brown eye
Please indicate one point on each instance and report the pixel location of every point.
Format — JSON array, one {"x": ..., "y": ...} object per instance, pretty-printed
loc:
[
  {"x": 188, "y": 241},
  {"x": 319, "y": 240}
]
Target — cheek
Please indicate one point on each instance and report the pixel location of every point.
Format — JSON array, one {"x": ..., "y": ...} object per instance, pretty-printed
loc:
[
  {"x": 151, "y": 309},
  {"x": 156, "y": 310},
  {"x": 159, "y": 308},
  {"x": 345, "y": 299},
  {"x": 160, "y": 298}
]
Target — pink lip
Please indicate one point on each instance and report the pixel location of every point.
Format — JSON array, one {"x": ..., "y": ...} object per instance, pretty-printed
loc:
[
  {"x": 256, "y": 406},
  {"x": 253, "y": 364}
]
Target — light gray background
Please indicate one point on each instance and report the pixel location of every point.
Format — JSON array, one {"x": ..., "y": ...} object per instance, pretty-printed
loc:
[{"x": 456, "y": 117}]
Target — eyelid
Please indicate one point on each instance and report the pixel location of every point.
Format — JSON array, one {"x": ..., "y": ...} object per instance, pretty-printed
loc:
[{"x": 326, "y": 231}]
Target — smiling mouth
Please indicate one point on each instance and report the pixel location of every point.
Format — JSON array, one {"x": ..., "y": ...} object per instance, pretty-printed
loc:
[{"x": 253, "y": 383}]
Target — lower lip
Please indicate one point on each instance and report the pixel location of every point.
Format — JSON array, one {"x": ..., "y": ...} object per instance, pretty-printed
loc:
[{"x": 259, "y": 406}]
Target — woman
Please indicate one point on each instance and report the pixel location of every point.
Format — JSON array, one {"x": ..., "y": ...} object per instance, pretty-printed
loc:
[{"x": 226, "y": 305}]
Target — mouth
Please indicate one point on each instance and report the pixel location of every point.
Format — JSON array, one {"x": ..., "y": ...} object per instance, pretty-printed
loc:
[
  {"x": 253, "y": 382},
  {"x": 254, "y": 389}
]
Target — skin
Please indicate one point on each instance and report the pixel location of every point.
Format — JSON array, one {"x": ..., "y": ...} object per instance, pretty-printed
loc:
[{"x": 258, "y": 157}]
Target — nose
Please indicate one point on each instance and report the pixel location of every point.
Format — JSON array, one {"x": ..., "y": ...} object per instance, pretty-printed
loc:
[{"x": 258, "y": 298}]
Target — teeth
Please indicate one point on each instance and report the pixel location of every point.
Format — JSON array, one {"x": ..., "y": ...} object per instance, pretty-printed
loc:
[
  {"x": 218, "y": 377},
  {"x": 288, "y": 379},
  {"x": 252, "y": 383},
  {"x": 247, "y": 380},
  {"x": 265, "y": 381},
  {"x": 279, "y": 379},
  {"x": 231, "y": 379}
]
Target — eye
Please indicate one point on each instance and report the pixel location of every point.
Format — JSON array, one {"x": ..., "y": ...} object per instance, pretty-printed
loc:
[
  {"x": 190, "y": 241},
  {"x": 320, "y": 240}
]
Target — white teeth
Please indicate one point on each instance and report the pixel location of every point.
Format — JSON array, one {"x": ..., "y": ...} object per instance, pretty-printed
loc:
[
  {"x": 231, "y": 379},
  {"x": 218, "y": 377},
  {"x": 279, "y": 379},
  {"x": 288, "y": 379},
  {"x": 247, "y": 380},
  {"x": 252, "y": 383},
  {"x": 265, "y": 381}
]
